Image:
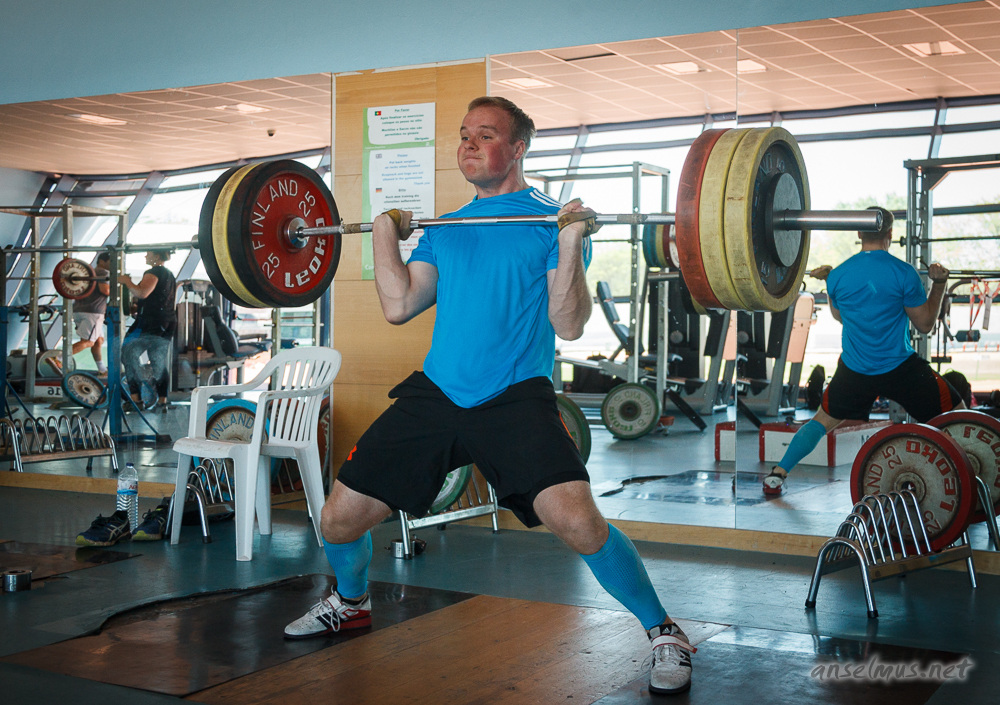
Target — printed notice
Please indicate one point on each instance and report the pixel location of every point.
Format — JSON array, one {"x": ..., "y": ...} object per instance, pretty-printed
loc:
[{"x": 397, "y": 169}]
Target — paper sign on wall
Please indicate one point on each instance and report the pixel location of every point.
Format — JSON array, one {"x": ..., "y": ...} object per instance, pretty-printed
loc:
[{"x": 397, "y": 169}]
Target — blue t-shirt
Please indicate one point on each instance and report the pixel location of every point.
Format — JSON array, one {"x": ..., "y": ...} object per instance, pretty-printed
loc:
[
  {"x": 871, "y": 291},
  {"x": 492, "y": 328}
]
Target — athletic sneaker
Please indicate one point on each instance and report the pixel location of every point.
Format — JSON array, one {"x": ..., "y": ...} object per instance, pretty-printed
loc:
[
  {"x": 774, "y": 482},
  {"x": 671, "y": 671},
  {"x": 331, "y": 615},
  {"x": 153, "y": 526},
  {"x": 106, "y": 531}
]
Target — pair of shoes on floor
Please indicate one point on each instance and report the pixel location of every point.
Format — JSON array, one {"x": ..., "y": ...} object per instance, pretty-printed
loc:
[
  {"x": 330, "y": 615},
  {"x": 671, "y": 670},
  {"x": 154, "y": 524},
  {"x": 106, "y": 531},
  {"x": 774, "y": 482}
]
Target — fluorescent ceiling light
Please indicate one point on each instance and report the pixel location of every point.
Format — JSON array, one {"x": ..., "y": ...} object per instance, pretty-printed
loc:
[
  {"x": 924, "y": 49},
  {"x": 96, "y": 119},
  {"x": 525, "y": 83},
  {"x": 749, "y": 66},
  {"x": 679, "y": 68},
  {"x": 243, "y": 108}
]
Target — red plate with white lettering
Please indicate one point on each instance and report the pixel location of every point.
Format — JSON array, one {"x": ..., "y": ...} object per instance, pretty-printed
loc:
[
  {"x": 688, "y": 240},
  {"x": 979, "y": 436},
  {"x": 921, "y": 458},
  {"x": 73, "y": 278},
  {"x": 275, "y": 199}
]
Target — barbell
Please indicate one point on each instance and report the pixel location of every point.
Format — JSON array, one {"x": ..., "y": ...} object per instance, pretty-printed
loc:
[
  {"x": 270, "y": 233},
  {"x": 74, "y": 278}
]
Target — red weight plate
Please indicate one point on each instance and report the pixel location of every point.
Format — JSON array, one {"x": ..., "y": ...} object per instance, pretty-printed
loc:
[
  {"x": 929, "y": 461},
  {"x": 670, "y": 248},
  {"x": 273, "y": 198},
  {"x": 688, "y": 199},
  {"x": 979, "y": 436},
  {"x": 68, "y": 287},
  {"x": 205, "y": 247}
]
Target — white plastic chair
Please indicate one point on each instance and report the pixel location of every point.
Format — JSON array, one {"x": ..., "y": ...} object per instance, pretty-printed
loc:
[{"x": 289, "y": 410}]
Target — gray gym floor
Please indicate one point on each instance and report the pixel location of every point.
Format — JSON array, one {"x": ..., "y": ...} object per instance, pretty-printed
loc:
[{"x": 933, "y": 609}]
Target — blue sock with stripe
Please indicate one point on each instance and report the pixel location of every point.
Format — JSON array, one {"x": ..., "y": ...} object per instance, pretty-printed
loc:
[
  {"x": 619, "y": 570},
  {"x": 350, "y": 564},
  {"x": 802, "y": 444}
]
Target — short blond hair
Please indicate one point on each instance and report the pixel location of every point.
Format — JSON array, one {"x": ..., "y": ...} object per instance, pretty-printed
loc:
[{"x": 522, "y": 127}]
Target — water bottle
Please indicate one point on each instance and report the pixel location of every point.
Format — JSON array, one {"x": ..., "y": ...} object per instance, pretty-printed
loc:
[{"x": 128, "y": 494}]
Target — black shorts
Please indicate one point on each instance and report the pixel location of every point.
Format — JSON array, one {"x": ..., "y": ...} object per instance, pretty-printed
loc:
[
  {"x": 517, "y": 440},
  {"x": 914, "y": 385}
]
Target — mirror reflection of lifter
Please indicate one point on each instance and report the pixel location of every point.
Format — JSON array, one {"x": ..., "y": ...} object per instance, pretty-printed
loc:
[
  {"x": 875, "y": 296},
  {"x": 153, "y": 329}
]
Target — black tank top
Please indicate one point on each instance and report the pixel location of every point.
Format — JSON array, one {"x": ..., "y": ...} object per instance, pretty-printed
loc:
[{"x": 156, "y": 311}]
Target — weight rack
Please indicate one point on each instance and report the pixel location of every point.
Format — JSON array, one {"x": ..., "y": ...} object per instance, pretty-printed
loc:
[
  {"x": 210, "y": 484},
  {"x": 467, "y": 506},
  {"x": 54, "y": 438},
  {"x": 868, "y": 537}
]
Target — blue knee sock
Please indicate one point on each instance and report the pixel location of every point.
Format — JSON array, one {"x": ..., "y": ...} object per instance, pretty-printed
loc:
[
  {"x": 350, "y": 564},
  {"x": 802, "y": 444},
  {"x": 620, "y": 571}
]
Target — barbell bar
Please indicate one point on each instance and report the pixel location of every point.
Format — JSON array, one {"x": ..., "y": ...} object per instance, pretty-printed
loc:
[{"x": 866, "y": 221}]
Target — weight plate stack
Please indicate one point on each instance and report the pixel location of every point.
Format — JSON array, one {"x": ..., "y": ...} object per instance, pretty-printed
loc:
[{"x": 927, "y": 461}]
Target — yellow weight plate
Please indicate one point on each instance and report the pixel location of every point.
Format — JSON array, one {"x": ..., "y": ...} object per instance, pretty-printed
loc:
[
  {"x": 711, "y": 221},
  {"x": 661, "y": 256},
  {"x": 763, "y": 157},
  {"x": 220, "y": 242}
]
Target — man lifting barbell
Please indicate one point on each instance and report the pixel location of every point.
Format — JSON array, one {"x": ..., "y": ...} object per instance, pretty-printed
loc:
[
  {"x": 88, "y": 315},
  {"x": 875, "y": 296},
  {"x": 485, "y": 395}
]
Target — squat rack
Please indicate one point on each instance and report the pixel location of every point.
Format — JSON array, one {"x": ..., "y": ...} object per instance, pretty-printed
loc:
[{"x": 923, "y": 176}]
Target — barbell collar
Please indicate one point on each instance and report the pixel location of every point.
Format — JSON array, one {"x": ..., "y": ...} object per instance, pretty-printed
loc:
[{"x": 868, "y": 221}]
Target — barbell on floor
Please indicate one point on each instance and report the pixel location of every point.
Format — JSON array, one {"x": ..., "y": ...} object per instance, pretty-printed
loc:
[{"x": 270, "y": 233}]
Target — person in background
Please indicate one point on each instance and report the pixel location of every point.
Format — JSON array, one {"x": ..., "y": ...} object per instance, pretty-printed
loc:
[
  {"x": 88, "y": 315},
  {"x": 876, "y": 297},
  {"x": 152, "y": 331}
]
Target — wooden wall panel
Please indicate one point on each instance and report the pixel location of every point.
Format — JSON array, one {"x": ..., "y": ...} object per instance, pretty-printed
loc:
[{"x": 378, "y": 355}]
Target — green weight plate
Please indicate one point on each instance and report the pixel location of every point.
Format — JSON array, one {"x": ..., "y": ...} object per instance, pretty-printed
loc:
[
  {"x": 206, "y": 247},
  {"x": 270, "y": 201},
  {"x": 455, "y": 483},
  {"x": 648, "y": 248},
  {"x": 85, "y": 389},
  {"x": 575, "y": 423},
  {"x": 630, "y": 411}
]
